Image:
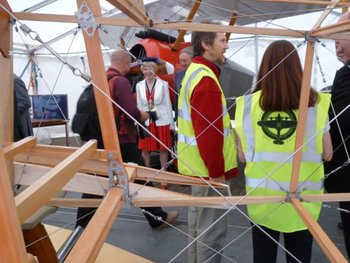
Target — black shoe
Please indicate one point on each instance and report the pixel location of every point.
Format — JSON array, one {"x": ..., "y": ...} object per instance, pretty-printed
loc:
[{"x": 170, "y": 219}]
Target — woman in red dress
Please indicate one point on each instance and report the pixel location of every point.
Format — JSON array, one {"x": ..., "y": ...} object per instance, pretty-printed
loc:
[{"x": 152, "y": 95}]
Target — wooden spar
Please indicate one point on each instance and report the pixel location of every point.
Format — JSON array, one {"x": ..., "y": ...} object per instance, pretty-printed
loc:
[
  {"x": 89, "y": 244},
  {"x": 331, "y": 251},
  {"x": 231, "y": 23},
  {"x": 132, "y": 10},
  {"x": 6, "y": 32},
  {"x": 339, "y": 27},
  {"x": 303, "y": 106},
  {"x": 327, "y": 246},
  {"x": 325, "y": 13},
  {"x": 97, "y": 68},
  {"x": 36, "y": 195},
  {"x": 326, "y": 32},
  {"x": 18, "y": 147},
  {"x": 11, "y": 241},
  {"x": 180, "y": 37},
  {"x": 169, "y": 200}
]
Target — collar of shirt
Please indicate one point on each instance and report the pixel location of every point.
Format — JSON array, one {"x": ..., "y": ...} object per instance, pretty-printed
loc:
[{"x": 209, "y": 64}]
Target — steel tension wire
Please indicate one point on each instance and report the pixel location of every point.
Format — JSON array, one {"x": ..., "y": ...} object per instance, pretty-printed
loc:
[{"x": 35, "y": 36}]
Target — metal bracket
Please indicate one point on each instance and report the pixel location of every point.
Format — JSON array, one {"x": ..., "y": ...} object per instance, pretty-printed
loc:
[
  {"x": 119, "y": 178},
  {"x": 86, "y": 19},
  {"x": 292, "y": 195},
  {"x": 311, "y": 39}
]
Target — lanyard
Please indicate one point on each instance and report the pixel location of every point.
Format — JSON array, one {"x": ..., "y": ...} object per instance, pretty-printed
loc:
[{"x": 150, "y": 91}]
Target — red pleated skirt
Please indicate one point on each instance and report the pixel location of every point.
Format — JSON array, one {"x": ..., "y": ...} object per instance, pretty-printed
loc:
[{"x": 151, "y": 144}]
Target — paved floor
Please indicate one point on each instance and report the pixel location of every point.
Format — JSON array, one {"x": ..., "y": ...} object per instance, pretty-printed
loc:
[{"x": 132, "y": 232}]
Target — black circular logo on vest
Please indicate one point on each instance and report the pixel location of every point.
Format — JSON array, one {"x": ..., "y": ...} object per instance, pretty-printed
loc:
[{"x": 278, "y": 126}]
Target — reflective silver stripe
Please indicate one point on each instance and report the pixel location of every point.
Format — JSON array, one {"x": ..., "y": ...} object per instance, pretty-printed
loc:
[
  {"x": 310, "y": 130},
  {"x": 281, "y": 186},
  {"x": 248, "y": 127},
  {"x": 188, "y": 140},
  {"x": 192, "y": 140},
  {"x": 184, "y": 112},
  {"x": 227, "y": 132},
  {"x": 282, "y": 157}
]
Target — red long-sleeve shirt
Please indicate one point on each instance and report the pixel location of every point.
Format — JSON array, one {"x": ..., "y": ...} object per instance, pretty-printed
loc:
[{"x": 206, "y": 101}]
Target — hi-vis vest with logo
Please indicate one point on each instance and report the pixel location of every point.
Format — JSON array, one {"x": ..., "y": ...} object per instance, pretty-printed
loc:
[
  {"x": 190, "y": 161},
  {"x": 268, "y": 140}
]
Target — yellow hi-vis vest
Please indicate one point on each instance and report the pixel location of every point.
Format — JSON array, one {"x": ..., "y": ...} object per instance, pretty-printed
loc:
[
  {"x": 268, "y": 141},
  {"x": 189, "y": 159}
]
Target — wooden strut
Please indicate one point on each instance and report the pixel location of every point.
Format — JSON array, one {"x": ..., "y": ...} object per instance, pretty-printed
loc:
[{"x": 84, "y": 158}]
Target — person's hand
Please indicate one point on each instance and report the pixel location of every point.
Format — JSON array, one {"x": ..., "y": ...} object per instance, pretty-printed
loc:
[
  {"x": 144, "y": 116},
  {"x": 220, "y": 180}
]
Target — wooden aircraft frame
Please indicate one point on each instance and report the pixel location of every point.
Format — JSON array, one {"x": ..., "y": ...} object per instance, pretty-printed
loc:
[{"x": 51, "y": 168}]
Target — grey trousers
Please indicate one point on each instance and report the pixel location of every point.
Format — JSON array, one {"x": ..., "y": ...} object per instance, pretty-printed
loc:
[{"x": 199, "y": 219}]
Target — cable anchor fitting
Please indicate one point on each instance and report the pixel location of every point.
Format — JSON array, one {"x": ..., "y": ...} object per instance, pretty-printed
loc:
[
  {"x": 118, "y": 177},
  {"x": 86, "y": 19}
]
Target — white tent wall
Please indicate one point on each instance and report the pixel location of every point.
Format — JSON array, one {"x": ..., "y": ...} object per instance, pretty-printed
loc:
[{"x": 56, "y": 79}]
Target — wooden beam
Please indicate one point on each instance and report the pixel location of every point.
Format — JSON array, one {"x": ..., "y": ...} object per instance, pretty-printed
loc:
[
  {"x": 75, "y": 202},
  {"x": 73, "y": 19},
  {"x": 28, "y": 174},
  {"x": 325, "y": 197},
  {"x": 170, "y": 26},
  {"x": 18, "y": 147},
  {"x": 327, "y": 246},
  {"x": 96, "y": 65},
  {"x": 6, "y": 76},
  {"x": 5, "y": 30},
  {"x": 180, "y": 37},
  {"x": 303, "y": 106},
  {"x": 146, "y": 173},
  {"x": 231, "y": 23},
  {"x": 132, "y": 10},
  {"x": 325, "y": 13},
  {"x": 11, "y": 241},
  {"x": 90, "y": 242},
  {"x": 231, "y": 29},
  {"x": 332, "y": 29},
  {"x": 39, "y": 193},
  {"x": 211, "y": 202},
  {"x": 48, "y": 155}
]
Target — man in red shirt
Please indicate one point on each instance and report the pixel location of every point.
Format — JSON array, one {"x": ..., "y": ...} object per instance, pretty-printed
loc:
[{"x": 206, "y": 143}]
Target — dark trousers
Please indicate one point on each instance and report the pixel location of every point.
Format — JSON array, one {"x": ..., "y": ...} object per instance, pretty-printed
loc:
[
  {"x": 298, "y": 243},
  {"x": 345, "y": 219},
  {"x": 130, "y": 153}
]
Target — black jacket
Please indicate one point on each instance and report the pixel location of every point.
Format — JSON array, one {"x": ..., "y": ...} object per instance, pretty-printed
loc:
[{"x": 340, "y": 180}]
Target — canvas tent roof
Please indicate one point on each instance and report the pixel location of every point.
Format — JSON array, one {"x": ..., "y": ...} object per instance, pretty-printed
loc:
[{"x": 160, "y": 11}]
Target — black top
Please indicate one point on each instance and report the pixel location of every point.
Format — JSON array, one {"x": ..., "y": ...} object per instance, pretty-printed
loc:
[{"x": 340, "y": 180}]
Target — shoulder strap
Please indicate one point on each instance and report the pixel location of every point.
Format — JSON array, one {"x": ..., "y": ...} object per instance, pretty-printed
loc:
[{"x": 110, "y": 77}]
